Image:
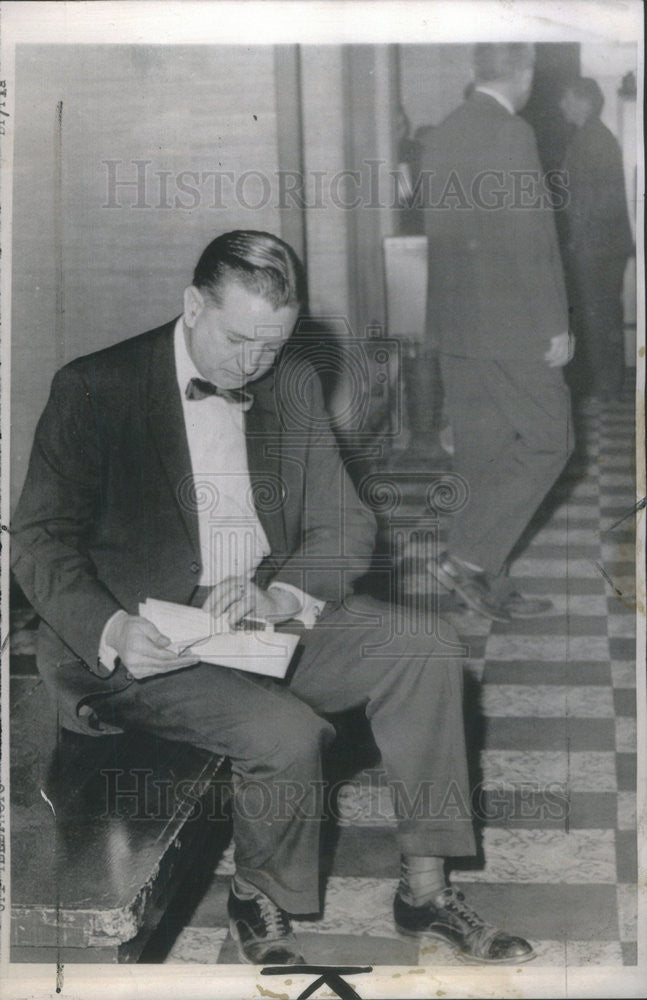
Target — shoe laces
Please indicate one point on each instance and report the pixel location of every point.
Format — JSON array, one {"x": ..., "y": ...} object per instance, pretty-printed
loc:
[
  {"x": 275, "y": 919},
  {"x": 456, "y": 904}
]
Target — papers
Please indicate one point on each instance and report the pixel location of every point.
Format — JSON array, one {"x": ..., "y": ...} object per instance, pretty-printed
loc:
[{"x": 191, "y": 630}]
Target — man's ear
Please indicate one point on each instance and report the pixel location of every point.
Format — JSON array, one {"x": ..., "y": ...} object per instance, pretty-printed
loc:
[{"x": 193, "y": 305}]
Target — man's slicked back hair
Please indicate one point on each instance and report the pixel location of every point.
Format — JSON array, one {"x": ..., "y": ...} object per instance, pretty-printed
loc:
[
  {"x": 501, "y": 60},
  {"x": 261, "y": 262}
]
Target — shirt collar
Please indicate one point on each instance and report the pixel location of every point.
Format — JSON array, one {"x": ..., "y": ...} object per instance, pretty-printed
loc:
[
  {"x": 503, "y": 101},
  {"x": 184, "y": 366}
]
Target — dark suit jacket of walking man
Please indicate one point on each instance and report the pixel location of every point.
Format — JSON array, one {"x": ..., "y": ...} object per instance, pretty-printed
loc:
[
  {"x": 497, "y": 313},
  {"x": 152, "y": 475}
]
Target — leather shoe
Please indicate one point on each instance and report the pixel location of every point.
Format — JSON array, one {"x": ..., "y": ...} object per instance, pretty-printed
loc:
[
  {"x": 472, "y": 587},
  {"x": 262, "y": 931},
  {"x": 451, "y": 919}
]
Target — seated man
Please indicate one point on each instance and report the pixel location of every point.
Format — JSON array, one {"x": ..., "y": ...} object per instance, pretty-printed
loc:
[{"x": 154, "y": 474}]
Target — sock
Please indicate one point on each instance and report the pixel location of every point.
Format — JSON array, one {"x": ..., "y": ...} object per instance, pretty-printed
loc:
[
  {"x": 468, "y": 565},
  {"x": 242, "y": 888},
  {"x": 421, "y": 878}
]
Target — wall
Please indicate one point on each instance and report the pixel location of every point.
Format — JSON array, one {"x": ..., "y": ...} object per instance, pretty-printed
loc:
[
  {"x": 324, "y": 157},
  {"x": 432, "y": 80},
  {"x": 608, "y": 64}
]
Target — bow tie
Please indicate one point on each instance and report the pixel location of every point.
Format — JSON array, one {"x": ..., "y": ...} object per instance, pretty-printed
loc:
[{"x": 199, "y": 388}]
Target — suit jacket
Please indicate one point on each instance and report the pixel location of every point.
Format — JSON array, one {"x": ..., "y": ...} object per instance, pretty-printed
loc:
[
  {"x": 596, "y": 214},
  {"x": 496, "y": 288},
  {"x": 108, "y": 513}
]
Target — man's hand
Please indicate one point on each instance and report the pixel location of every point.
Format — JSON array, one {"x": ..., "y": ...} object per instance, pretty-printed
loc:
[
  {"x": 234, "y": 598},
  {"x": 562, "y": 348},
  {"x": 142, "y": 648}
]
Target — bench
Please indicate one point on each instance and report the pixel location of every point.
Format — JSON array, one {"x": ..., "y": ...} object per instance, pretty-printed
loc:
[{"x": 103, "y": 833}]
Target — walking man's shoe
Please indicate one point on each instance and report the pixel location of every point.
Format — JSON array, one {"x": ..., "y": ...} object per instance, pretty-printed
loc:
[
  {"x": 262, "y": 931},
  {"x": 451, "y": 919},
  {"x": 469, "y": 585}
]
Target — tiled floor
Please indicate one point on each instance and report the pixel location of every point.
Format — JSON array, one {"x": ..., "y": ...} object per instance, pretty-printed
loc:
[{"x": 551, "y": 710}]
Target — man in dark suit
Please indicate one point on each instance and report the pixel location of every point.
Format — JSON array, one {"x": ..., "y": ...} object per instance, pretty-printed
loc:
[
  {"x": 598, "y": 243},
  {"x": 497, "y": 312},
  {"x": 154, "y": 474}
]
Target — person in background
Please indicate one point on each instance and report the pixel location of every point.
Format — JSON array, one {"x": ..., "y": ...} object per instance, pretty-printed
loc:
[
  {"x": 598, "y": 243},
  {"x": 496, "y": 308}
]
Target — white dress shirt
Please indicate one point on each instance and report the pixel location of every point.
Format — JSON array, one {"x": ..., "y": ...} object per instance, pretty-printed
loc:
[
  {"x": 503, "y": 101},
  {"x": 232, "y": 539}
]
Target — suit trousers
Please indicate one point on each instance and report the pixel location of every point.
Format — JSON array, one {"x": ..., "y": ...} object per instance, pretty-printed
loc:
[
  {"x": 595, "y": 294},
  {"x": 407, "y": 675},
  {"x": 512, "y": 437}
]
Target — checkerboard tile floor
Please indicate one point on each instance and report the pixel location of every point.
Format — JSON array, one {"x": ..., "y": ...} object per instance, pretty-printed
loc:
[{"x": 551, "y": 709}]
